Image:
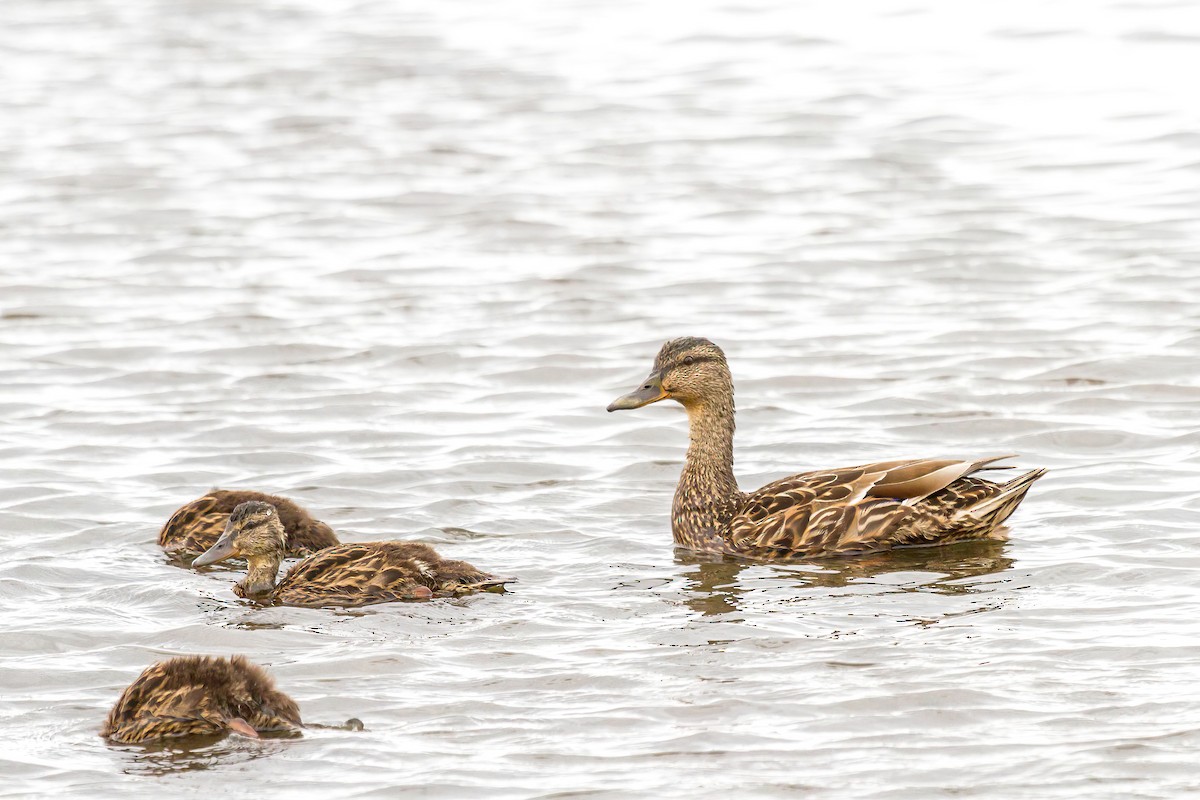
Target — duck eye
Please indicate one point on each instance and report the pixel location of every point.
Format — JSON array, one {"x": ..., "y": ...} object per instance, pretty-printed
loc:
[{"x": 688, "y": 361}]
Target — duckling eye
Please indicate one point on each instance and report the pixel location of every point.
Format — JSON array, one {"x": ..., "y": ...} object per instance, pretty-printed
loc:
[{"x": 688, "y": 361}]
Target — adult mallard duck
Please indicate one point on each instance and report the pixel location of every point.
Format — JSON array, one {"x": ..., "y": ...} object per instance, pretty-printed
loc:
[
  {"x": 346, "y": 575},
  {"x": 200, "y": 695},
  {"x": 196, "y": 526},
  {"x": 829, "y": 512}
]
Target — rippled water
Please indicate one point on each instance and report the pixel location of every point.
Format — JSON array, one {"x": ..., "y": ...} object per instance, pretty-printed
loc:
[{"x": 393, "y": 259}]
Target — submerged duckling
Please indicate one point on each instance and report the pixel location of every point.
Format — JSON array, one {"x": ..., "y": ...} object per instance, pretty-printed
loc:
[
  {"x": 197, "y": 696},
  {"x": 829, "y": 512},
  {"x": 346, "y": 575},
  {"x": 195, "y": 527}
]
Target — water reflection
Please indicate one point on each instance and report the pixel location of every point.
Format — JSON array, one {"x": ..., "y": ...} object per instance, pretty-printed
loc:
[
  {"x": 198, "y": 753},
  {"x": 714, "y": 583},
  {"x": 716, "y": 587}
]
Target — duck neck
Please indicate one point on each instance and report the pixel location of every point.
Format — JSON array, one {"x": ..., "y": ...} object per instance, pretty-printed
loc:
[
  {"x": 260, "y": 575},
  {"x": 707, "y": 496}
]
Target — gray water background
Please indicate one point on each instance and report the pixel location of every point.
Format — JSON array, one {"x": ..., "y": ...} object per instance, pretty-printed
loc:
[{"x": 393, "y": 259}]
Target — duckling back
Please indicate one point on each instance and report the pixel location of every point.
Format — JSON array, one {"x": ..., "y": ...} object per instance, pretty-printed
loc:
[
  {"x": 196, "y": 526},
  {"x": 200, "y": 695},
  {"x": 365, "y": 573}
]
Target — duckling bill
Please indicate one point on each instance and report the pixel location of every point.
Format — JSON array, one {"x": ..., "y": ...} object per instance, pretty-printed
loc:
[
  {"x": 200, "y": 696},
  {"x": 831, "y": 512},
  {"x": 357, "y": 574}
]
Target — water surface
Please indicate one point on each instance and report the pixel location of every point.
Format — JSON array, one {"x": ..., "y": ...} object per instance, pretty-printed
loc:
[{"x": 393, "y": 260}]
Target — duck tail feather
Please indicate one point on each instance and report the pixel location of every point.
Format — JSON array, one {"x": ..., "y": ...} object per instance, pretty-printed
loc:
[{"x": 999, "y": 507}]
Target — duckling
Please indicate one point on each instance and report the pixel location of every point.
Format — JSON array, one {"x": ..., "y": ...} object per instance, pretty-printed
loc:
[
  {"x": 200, "y": 695},
  {"x": 831, "y": 512},
  {"x": 195, "y": 527},
  {"x": 346, "y": 575}
]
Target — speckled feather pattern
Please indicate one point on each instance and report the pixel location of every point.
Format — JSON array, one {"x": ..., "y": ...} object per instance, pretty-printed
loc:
[
  {"x": 196, "y": 696},
  {"x": 844, "y": 511},
  {"x": 196, "y": 526},
  {"x": 816, "y": 514},
  {"x": 376, "y": 572}
]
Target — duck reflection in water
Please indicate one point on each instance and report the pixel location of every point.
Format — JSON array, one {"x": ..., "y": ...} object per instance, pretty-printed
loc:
[
  {"x": 198, "y": 753},
  {"x": 716, "y": 586}
]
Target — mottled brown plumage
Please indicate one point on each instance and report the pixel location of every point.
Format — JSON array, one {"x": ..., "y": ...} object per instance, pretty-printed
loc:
[
  {"x": 199, "y": 696},
  {"x": 195, "y": 527},
  {"x": 832, "y": 512},
  {"x": 357, "y": 574}
]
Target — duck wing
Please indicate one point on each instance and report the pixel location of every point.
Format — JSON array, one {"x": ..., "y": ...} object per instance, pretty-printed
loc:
[
  {"x": 359, "y": 574},
  {"x": 860, "y": 509}
]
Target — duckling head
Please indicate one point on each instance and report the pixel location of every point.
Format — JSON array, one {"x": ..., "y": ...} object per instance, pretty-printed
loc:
[
  {"x": 254, "y": 532},
  {"x": 690, "y": 370},
  {"x": 253, "y": 529}
]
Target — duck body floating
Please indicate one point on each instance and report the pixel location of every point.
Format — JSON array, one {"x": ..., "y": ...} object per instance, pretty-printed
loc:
[
  {"x": 359, "y": 574},
  {"x": 200, "y": 696},
  {"x": 195, "y": 527},
  {"x": 831, "y": 512}
]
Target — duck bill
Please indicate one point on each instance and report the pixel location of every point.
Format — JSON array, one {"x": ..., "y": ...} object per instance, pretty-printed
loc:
[
  {"x": 239, "y": 725},
  {"x": 223, "y": 549},
  {"x": 650, "y": 392}
]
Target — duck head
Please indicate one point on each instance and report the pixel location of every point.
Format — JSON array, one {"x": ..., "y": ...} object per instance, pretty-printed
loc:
[
  {"x": 254, "y": 532},
  {"x": 689, "y": 370}
]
